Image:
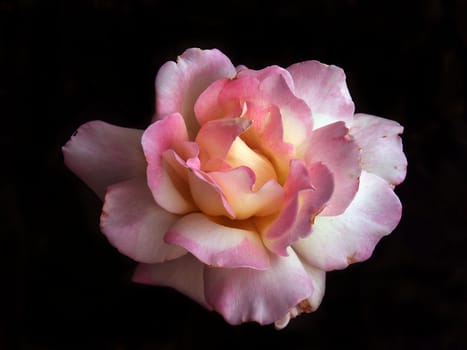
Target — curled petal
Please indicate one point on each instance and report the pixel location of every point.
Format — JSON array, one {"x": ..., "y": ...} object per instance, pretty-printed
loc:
[
  {"x": 209, "y": 107},
  {"x": 337, "y": 241},
  {"x": 237, "y": 186},
  {"x": 296, "y": 118},
  {"x": 243, "y": 295},
  {"x": 135, "y": 224},
  {"x": 219, "y": 245},
  {"x": 208, "y": 195},
  {"x": 266, "y": 135},
  {"x": 381, "y": 147},
  {"x": 324, "y": 89},
  {"x": 102, "y": 154},
  {"x": 167, "y": 185},
  {"x": 215, "y": 138},
  {"x": 185, "y": 274},
  {"x": 178, "y": 85},
  {"x": 240, "y": 154},
  {"x": 310, "y": 304},
  {"x": 332, "y": 146},
  {"x": 307, "y": 193}
]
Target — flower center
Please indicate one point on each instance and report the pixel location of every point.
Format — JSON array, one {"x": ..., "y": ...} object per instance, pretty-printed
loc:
[{"x": 240, "y": 154}]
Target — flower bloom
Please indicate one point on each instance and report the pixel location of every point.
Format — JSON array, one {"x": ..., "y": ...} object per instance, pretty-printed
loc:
[{"x": 247, "y": 187}]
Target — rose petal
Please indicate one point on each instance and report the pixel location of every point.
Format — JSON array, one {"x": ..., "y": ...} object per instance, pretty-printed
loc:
[
  {"x": 266, "y": 136},
  {"x": 208, "y": 195},
  {"x": 185, "y": 274},
  {"x": 215, "y": 138},
  {"x": 237, "y": 186},
  {"x": 381, "y": 147},
  {"x": 296, "y": 118},
  {"x": 332, "y": 146},
  {"x": 242, "y": 295},
  {"x": 337, "y": 241},
  {"x": 264, "y": 73},
  {"x": 307, "y": 193},
  {"x": 178, "y": 85},
  {"x": 102, "y": 154},
  {"x": 135, "y": 224},
  {"x": 310, "y": 304},
  {"x": 167, "y": 185},
  {"x": 243, "y": 97},
  {"x": 324, "y": 89},
  {"x": 209, "y": 107},
  {"x": 218, "y": 245},
  {"x": 240, "y": 154}
]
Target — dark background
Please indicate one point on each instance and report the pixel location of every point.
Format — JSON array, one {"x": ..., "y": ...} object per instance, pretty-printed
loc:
[{"x": 64, "y": 63}]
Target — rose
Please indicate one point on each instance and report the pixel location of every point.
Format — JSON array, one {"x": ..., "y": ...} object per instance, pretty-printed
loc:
[{"x": 247, "y": 187}]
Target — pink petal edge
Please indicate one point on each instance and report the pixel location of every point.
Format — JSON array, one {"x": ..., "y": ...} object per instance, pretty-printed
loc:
[
  {"x": 102, "y": 154},
  {"x": 219, "y": 245},
  {"x": 135, "y": 224},
  {"x": 337, "y": 241},
  {"x": 179, "y": 84},
  {"x": 243, "y": 295}
]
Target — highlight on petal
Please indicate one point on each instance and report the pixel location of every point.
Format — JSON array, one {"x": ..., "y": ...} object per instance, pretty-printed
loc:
[
  {"x": 310, "y": 304},
  {"x": 178, "y": 85},
  {"x": 243, "y": 295},
  {"x": 166, "y": 181},
  {"x": 324, "y": 89},
  {"x": 102, "y": 154},
  {"x": 337, "y": 241},
  {"x": 136, "y": 225},
  {"x": 185, "y": 274},
  {"x": 332, "y": 146},
  {"x": 381, "y": 146},
  {"x": 219, "y": 245}
]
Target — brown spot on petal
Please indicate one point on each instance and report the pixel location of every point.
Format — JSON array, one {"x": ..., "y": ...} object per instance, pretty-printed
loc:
[
  {"x": 351, "y": 259},
  {"x": 304, "y": 306},
  {"x": 104, "y": 214}
]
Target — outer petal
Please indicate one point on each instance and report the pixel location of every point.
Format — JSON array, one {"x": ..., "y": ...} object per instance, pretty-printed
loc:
[
  {"x": 102, "y": 154},
  {"x": 381, "y": 147},
  {"x": 341, "y": 240},
  {"x": 184, "y": 274},
  {"x": 324, "y": 89},
  {"x": 218, "y": 245},
  {"x": 135, "y": 224},
  {"x": 178, "y": 85},
  {"x": 167, "y": 185},
  {"x": 310, "y": 304},
  {"x": 332, "y": 146},
  {"x": 242, "y": 295}
]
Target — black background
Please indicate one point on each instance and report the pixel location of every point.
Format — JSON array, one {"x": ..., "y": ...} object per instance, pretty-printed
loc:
[{"x": 64, "y": 63}]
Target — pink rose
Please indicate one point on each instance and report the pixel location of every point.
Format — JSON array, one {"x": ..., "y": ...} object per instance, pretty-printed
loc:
[{"x": 247, "y": 187}]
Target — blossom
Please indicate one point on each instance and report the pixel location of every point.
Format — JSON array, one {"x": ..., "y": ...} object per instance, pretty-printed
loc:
[{"x": 247, "y": 187}]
